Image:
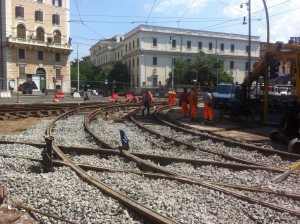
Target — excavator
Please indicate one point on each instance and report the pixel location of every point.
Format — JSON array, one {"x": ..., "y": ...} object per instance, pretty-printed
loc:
[{"x": 290, "y": 123}]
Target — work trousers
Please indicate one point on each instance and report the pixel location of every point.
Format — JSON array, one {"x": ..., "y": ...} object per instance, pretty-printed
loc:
[
  {"x": 208, "y": 112},
  {"x": 172, "y": 100},
  {"x": 184, "y": 109},
  {"x": 147, "y": 107},
  {"x": 193, "y": 111}
]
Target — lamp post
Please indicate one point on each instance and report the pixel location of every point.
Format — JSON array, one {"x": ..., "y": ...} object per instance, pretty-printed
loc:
[{"x": 248, "y": 4}]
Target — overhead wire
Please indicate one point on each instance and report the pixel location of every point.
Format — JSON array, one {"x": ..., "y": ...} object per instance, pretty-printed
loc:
[{"x": 150, "y": 11}]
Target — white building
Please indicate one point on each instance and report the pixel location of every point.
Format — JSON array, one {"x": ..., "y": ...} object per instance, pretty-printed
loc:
[{"x": 148, "y": 52}]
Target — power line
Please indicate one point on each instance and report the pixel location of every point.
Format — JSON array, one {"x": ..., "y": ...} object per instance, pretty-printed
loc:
[{"x": 150, "y": 11}]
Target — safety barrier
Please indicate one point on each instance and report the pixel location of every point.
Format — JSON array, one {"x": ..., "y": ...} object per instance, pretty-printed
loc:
[
  {"x": 114, "y": 97},
  {"x": 5, "y": 94},
  {"x": 59, "y": 95}
]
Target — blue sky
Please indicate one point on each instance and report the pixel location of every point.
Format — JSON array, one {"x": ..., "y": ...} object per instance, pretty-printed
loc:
[{"x": 93, "y": 20}]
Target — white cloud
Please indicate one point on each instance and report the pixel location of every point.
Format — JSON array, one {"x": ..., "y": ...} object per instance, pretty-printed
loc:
[
  {"x": 178, "y": 7},
  {"x": 282, "y": 18}
]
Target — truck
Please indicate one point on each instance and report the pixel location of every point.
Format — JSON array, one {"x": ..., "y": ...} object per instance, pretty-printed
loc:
[{"x": 224, "y": 94}]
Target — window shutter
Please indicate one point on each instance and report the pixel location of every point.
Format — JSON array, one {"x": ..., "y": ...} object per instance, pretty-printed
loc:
[
  {"x": 36, "y": 15},
  {"x": 22, "y": 12}
]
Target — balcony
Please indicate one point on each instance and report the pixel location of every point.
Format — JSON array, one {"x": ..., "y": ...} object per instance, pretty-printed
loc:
[{"x": 31, "y": 41}]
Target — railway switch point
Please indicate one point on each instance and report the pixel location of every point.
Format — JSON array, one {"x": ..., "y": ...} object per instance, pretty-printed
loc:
[
  {"x": 3, "y": 194},
  {"x": 47, "y": 155}
]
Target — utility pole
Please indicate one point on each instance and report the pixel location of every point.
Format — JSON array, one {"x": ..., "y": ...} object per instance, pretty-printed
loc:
[{"x": 77, "y": 70}]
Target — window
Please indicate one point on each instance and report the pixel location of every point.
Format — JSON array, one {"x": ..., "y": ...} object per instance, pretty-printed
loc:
[
  {"x": 40, "y": 34},
  {"x": 21, "y": 31},
  {"x": 57, "y": 57},
  {"x": 246, "y": 65},
  {"x": 20, "y": 12},
  {"x": 22, "y": 73},
  {"x": 21, "y": 53},
  {"x": 40, "y": 55},
  {"x": 57, "y": 37},
  {"x": 222, "y": 47},
  {"x": 231, "y": 64},
  {"x": 189, "y": 44},
  {"x": 55, "y": 19},
  {"x": 232, "y": 48},
  {"x": 38, "y": 16},
  {"x": 188, "y": 60},
  {"x": 154, "y": 60},
  {"x": 129, "y": 46},
  {"x": 173, "y": 43},
  {"x": 137, "y": 42},
  {"x": 247, "y": 48},
  {"x": 40, "y": 1},
  {"x": 133, "y": 44},
  {"x": 133, "y": 62},
  {"x": 154, "y": 42},
  {"x": 58, "y": 73},
  {"x": 138, "y": 61},
  {"x": 126, "y": 48},
  {"x": 200, "y": 45},
  {"x": 210, "y": 46},
  {"x": 56, "y": 3}
]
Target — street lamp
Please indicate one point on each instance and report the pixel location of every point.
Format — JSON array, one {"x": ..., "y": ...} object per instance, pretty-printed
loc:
[{"x": 248, "y": 4}]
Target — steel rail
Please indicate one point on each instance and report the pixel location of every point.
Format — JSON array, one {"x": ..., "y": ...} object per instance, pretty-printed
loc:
[
  {"x": 294, "y": 196},
  {"x": 205, "y": 184},
  {"x": 143, "y": 211},
  {"x": 187, "y": 129},
  {"x": 157, "y": 158},
  {"x": 192, "y": 147}
]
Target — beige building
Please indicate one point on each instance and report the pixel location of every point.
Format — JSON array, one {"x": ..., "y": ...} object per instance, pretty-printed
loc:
[
  {"x": 35, "y": 45},
  {"x": 148, "y": 52}
]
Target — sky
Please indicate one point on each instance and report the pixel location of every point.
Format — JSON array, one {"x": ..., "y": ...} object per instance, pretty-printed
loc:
[{"x": 94, "y": 20}]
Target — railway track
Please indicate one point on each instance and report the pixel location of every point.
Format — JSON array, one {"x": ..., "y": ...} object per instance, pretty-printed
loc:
[
  {"x": 146, "y": 166},
  {"x": 164, "y": 171}
]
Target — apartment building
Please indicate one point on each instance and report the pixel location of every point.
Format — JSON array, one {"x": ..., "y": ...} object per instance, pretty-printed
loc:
[
  {"x": 35, "y": 44},
  {"x": 148, "y": 52}
]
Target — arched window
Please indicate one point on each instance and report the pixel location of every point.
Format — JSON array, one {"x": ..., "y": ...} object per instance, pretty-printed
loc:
[
  {"x": 21, "y": 31},
  {"x": 40, "y": 34},
  {"x": 57, "y": 36}
]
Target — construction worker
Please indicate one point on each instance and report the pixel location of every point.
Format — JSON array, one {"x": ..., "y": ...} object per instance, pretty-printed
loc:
[
  {"x": 208, "y": 107},
  {"x": 183, "y": 102},
  {"x": 171, "y": 97},
  {"x": 193, "y": 100},
  {"x": 147, "y": 100}
]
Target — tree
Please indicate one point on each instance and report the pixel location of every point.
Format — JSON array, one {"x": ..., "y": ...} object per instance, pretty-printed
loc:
[
  {"x": 87, "y": 71},
  {"x": 120, "y": 74},
  {"x": 203, "y": 69}
]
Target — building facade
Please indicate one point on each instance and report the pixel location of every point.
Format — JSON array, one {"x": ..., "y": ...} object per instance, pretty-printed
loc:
[
  {"x": 148, "y": 52},
  {"x": 35, "y": 44}
]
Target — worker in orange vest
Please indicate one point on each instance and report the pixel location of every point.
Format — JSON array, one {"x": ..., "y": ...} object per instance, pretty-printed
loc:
[
  {"x": 184, "y": 102},
  {"x": 171, "y": 97},
  {"x": 193, "y": 100},
  {"x": 208, "y": 107}
]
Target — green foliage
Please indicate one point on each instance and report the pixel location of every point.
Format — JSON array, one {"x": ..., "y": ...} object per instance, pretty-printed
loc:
[
  {"x": 87, "y": 71},
  {"x": 203, "y": 69},
  {"x": 119, "y": 73}
]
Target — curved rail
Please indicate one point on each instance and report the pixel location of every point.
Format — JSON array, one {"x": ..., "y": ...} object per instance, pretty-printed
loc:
[
  {"x": 144, "y": 212},
  {"x": 202, "y": 183},
  {"x": 215, "y": 137}
]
